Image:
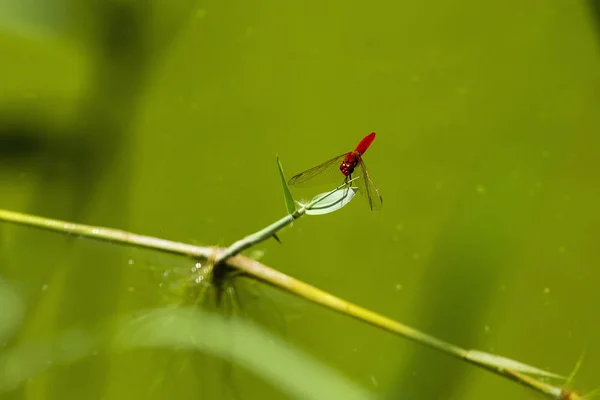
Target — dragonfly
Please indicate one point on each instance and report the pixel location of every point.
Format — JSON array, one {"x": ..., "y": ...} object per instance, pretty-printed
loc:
[{"x": 350, "y": 166}]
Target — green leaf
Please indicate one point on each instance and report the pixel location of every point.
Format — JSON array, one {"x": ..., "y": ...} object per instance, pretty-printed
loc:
[
  {"x": 331, "y": 202},
  {"x": 287, "y": 194},
  {"x": 241, "y": 343}
]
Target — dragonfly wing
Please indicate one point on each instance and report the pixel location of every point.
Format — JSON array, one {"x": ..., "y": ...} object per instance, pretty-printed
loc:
[
  {"x": 366, "y": 186},
  {"x": 328, "y": 172}
]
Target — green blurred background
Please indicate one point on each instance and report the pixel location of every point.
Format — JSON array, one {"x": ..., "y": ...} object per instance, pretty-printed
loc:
[{"x": 164, "y": 118}]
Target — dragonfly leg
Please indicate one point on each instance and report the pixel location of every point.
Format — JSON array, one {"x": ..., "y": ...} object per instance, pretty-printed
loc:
[{"x": 346, "y": 180}]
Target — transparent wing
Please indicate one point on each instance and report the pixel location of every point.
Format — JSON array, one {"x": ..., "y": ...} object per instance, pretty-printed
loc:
[
  {"x": 328, "y": 172},
  {"x": 366, "y": 186}
]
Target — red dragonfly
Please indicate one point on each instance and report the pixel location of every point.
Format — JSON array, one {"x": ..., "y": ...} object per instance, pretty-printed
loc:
[{"x": 350, "y": 165}]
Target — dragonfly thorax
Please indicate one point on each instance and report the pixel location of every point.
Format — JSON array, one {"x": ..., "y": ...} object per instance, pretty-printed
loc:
[{"x": 350, "y": 162}]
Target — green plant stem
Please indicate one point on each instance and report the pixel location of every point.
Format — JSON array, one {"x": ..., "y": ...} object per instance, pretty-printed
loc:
[
  {"x": 257, "y": 237},
  {"x": 107, "y": 234},
  {"x": 277, "y": 279},
  {"x": 272, "y": 229}
]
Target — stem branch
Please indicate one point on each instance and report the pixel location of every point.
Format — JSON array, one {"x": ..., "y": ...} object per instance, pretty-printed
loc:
[{"x": 231, "y": 257}]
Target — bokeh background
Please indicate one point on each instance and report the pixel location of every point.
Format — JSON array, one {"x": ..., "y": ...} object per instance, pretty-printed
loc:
[{"x": 164, "y": 118}]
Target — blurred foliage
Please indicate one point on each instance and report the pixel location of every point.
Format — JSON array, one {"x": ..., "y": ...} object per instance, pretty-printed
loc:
[
  {"x": 162, "y": 117},
  {"x": 177, "y": 329}
]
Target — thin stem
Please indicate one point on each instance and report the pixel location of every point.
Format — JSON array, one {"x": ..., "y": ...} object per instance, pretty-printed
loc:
[
  {"x": 315, "y": 295},
  {"x": 283, "y": 282},
  {"x": 318, "y": 296},
  {"x": 258, "y": 237},
  {"x": 107, "y": 235},
  {"x": 272, "y": 229}
]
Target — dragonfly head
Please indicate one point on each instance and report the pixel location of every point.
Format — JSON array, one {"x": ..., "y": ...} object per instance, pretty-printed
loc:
[
  {"x": 346, "y": 168},
  {"x": 349, "y": 163}
]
